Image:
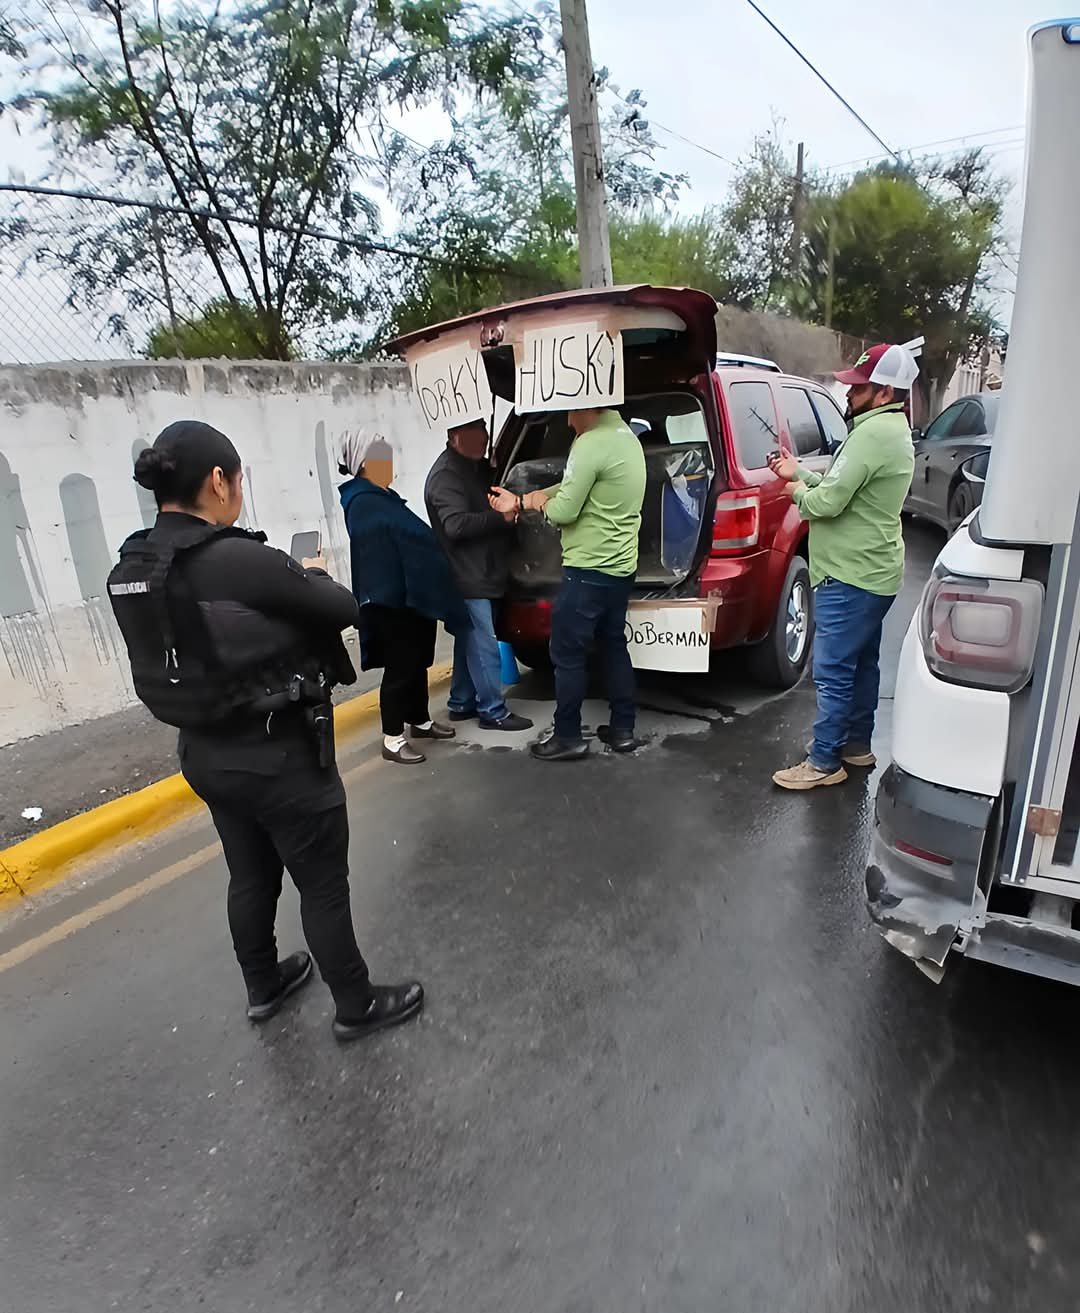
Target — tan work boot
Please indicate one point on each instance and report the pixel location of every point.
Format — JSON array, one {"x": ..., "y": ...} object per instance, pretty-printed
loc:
[
  {"x": 854, "y": 754},
  {"x": 807, "y": 776}
]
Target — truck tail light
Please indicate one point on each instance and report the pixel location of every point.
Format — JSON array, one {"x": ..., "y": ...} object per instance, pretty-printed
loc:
[
  {"x": 737, "y": 522},
  {"x": 981, "y": 632}
]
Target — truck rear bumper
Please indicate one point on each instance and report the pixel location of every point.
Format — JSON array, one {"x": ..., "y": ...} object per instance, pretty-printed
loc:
[
  {"x": 923, "y": 890},
  {"x": 922, "y": 880},
  {"x": 1023, "y": 945}
]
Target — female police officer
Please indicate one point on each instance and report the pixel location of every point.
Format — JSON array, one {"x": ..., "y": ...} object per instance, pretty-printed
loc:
[{"x": 239, "y": 646}]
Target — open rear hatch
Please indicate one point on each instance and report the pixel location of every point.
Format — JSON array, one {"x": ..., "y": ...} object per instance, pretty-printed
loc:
[{"x": 654, "y": 348}]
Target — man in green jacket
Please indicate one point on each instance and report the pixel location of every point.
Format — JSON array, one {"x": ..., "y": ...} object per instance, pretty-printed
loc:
[
  {"x": 856, "y": 559},
  {"x": 598, "y": 509}
]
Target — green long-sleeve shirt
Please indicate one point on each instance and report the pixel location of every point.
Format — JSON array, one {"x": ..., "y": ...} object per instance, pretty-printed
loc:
[
  {"x": 854, "y": 508},
  {"x": 598, "y": 504}
]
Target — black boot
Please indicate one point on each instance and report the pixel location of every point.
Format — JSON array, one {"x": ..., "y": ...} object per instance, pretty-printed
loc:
[
  {"x": 390, "y": 1005},
  {"x": 555, "y": 749},
  {"x": 618, "y": 740},
  {"x": 293, "y": 972}
]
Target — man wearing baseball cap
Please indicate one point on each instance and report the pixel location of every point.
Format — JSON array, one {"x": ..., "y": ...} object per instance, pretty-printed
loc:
[{"x": 856, "y": 558}]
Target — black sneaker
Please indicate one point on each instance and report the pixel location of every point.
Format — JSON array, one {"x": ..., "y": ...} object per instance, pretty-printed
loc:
[
  {"x": 390, "y": 1005},
  {"x": 511, "y": 723},
  {"x": 555, "y": 749},
  {"x": 618, "y": 740},
  {"x": 463, "y": 715},
  {"x": 293, "y": 972}
]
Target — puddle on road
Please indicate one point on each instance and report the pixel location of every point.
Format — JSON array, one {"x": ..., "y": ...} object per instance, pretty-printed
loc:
[
  {"x": 654, "y": 725},
  {"x": 668, "y": 706}
]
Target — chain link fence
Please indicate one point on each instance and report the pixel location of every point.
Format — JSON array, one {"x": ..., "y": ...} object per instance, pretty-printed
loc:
[{"x": 86, "y": 279}]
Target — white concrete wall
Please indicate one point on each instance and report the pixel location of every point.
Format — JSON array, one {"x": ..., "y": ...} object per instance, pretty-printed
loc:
[{"x": 67, "y": 499}]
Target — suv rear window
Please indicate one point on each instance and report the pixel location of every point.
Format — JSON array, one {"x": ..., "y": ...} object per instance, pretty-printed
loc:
[
  {"x": 802, "y": 422},
  {"x": 753, "y": 423}
]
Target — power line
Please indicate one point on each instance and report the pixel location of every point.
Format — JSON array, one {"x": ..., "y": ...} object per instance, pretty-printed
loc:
[
  {"x": 990, "y": 150},
  {"x": 696, "y": 144},
  {"x": 288, "y": 230},
  {"x": 927, "y": 145},
  {"x": 822, "y": 78},
  {"x": 671, "y": 131}
]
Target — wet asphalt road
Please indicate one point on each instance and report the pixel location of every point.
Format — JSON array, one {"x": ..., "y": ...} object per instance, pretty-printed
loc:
[{"x": 665, "y": 1066}]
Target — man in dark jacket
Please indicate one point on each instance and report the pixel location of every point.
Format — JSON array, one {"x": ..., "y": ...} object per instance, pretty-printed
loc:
[{"x": 476, "y": 540}]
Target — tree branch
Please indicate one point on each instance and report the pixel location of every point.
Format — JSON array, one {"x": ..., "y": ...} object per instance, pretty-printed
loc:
[
  {"x": 198, "y": 223},
  {"x": 337, "y": 137},
  {"x": 187, "y": 137}
]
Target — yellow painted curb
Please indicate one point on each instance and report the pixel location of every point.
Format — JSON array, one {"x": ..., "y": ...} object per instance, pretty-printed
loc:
[{"x": 42, "y": 859}]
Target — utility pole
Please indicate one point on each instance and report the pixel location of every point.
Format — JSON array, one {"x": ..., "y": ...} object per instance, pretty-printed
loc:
[
  {"x": 797, "y": 206},
  {"x": 594, "y": 249}
]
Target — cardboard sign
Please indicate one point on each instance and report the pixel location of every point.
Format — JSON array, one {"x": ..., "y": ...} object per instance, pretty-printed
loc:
[
  {"x": 451, "y": 386},
  {"x": 671, "y": 637},
  {"x": 568, "y": 367}
]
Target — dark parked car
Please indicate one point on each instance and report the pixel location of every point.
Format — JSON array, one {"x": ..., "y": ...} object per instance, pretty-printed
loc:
[{"x": 939, "y": 489}]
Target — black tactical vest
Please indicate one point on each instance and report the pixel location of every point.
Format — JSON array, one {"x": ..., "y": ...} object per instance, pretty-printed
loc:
[{"x": 201, "y": 665}]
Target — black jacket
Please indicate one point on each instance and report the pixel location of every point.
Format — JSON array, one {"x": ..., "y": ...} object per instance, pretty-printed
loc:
[
  {"x": 476, "y": 539},
  {"x": 209, "y": 628}
]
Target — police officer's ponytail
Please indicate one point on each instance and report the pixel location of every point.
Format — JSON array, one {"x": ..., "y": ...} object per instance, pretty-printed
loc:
[{"x": 183, "y": 455}]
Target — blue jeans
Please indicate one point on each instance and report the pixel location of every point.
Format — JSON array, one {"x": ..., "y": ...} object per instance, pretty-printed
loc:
[
  {"x": 847, "y": 646},
  {"x": 477, "y": 681},
  {"x": 591, "y": 608}
]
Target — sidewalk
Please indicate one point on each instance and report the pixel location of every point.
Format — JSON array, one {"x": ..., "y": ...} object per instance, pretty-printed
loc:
[{"x": 82, "y": 766}]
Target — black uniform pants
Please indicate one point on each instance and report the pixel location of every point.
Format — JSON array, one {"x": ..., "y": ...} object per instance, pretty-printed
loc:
[
  {"x": 274, "y": 809},
  {"x": 403, "y": 642}
]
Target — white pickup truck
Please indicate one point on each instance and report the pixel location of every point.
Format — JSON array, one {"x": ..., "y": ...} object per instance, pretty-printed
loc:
[{"x": 975, "y": 848}]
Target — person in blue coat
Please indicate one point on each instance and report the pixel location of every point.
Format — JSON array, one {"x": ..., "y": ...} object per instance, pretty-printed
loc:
[{"x": 403, "y": 586}]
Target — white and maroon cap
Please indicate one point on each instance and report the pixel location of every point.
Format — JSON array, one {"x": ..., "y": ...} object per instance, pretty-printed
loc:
[{"x": 887, "y": 364}]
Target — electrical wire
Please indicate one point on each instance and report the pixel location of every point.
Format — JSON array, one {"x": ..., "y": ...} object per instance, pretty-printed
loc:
[
  {"x": 822, "y": 78},
  {"x": 288, "y": 230},
  {"x": 928, "y": 145}
]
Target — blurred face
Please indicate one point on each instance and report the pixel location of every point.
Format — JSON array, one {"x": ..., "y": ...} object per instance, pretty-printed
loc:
[
  {"x": 223, "y": 496},
  {"x": 378, "y": 472},
  {"x": 581, "y": 421},
  {"x": 866, "y": 396},
  {"x": 471, "y": 440}
]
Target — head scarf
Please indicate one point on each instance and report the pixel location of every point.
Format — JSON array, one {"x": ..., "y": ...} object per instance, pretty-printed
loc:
[{"x": 352, "y": 448}]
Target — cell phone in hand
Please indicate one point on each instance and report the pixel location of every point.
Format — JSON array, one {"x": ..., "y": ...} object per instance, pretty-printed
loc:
[{"x": 306, "y": 546}]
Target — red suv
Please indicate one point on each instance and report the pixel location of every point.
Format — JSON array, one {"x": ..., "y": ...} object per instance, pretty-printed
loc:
[{"x": 715, "y": 523}]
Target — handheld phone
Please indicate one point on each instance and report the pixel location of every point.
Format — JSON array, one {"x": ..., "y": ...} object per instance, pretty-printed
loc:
[{"x": 306, "y": 546}]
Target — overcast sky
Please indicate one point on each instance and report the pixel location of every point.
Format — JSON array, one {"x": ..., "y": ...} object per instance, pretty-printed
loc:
[{"x": 918, "y": 72}]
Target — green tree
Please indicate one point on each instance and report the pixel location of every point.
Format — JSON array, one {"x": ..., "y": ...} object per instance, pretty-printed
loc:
[
  {"x": 258, "y": 124},
  {"x": 674, "y": 252},
  {"x": 901, "y": 253},
  {"x": 222, "y": 331},
  {"x": 758, "y": 219},
  {"x": 495, "y": 201}
]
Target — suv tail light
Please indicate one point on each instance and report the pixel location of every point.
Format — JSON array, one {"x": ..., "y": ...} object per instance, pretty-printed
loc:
[
  {"x": 737, "y": 522},
  {"x": 981, "y": 632}
]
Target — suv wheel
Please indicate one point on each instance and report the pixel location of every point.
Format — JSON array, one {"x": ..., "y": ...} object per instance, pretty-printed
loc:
[{"x": 780, "y": 659}]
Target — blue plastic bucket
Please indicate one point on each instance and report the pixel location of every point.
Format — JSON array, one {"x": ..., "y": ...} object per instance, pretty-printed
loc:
[{"x": 510, "y": 672}]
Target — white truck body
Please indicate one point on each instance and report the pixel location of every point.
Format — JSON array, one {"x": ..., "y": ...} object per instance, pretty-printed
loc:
[{"x": 975, "y": 846}]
